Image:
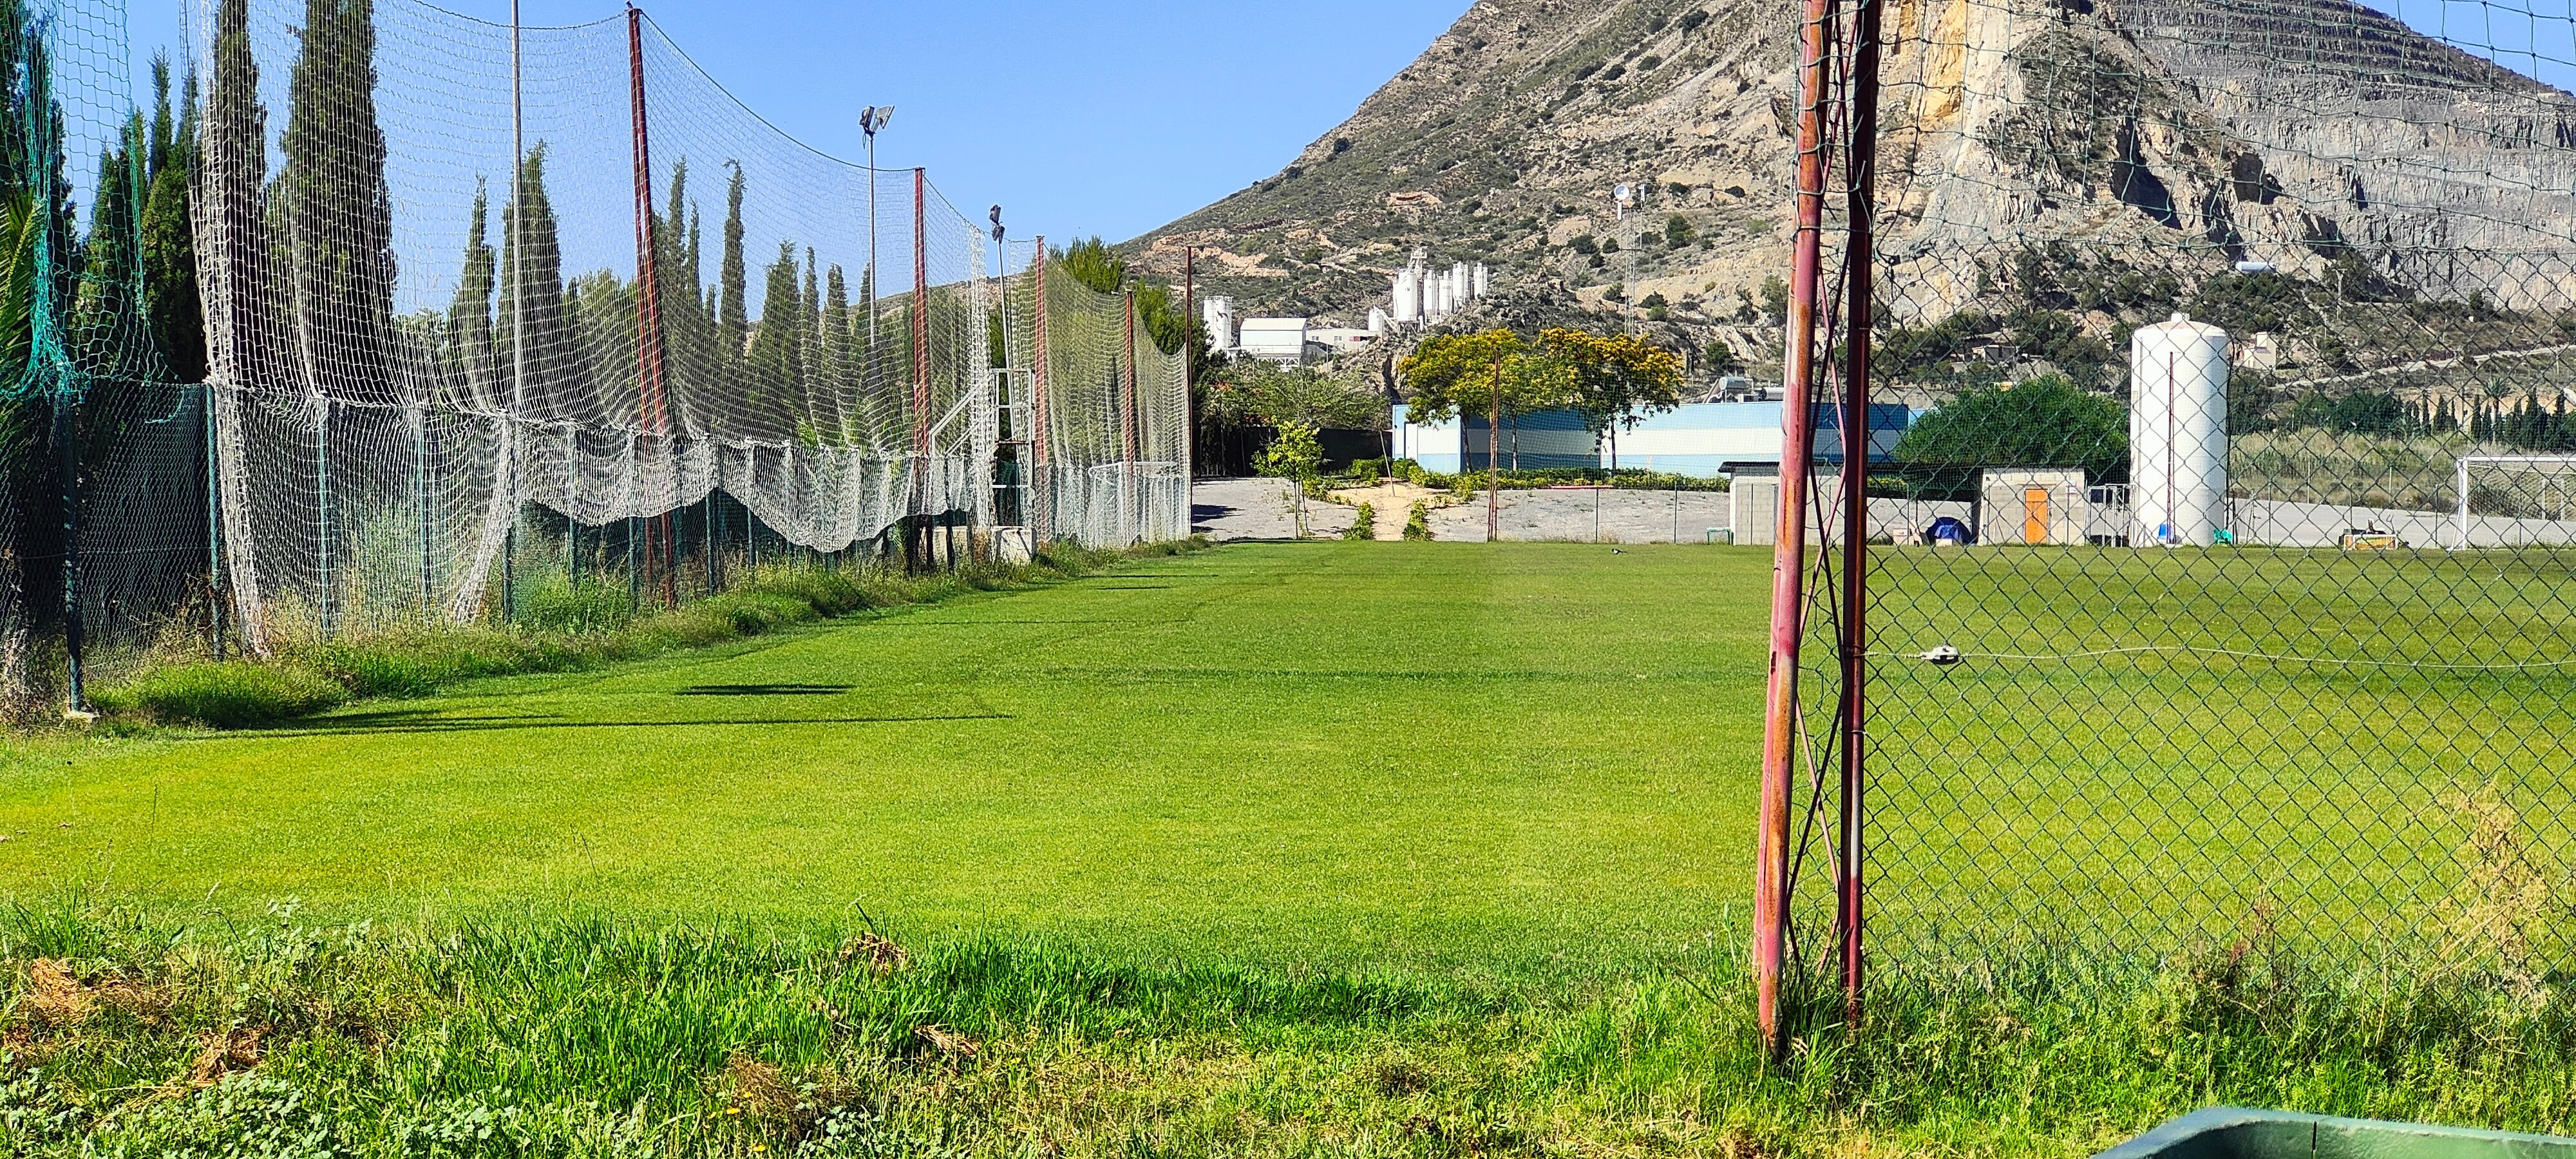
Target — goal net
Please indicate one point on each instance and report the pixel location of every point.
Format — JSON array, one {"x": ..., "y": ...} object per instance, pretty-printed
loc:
[{"x": 2515, "y": 501}]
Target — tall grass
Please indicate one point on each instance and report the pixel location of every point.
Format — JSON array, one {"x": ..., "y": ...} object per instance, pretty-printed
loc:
[
  {"x": 568, "y": 1034},
  {"x": 564, "y": 627}
]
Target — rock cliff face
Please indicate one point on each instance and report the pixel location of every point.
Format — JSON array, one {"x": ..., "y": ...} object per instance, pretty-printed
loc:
[{"x": 2164, "y": 139}]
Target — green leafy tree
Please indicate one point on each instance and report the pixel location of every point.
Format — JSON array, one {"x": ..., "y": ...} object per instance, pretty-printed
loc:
[
  {"x": 1092, "y": 263},
  {"x": 1297, "y": 456},
  {"x": 2047, "y": 421},
  {"x": 1254, "y": 392},
  {"x": 1614, "y": 380}
]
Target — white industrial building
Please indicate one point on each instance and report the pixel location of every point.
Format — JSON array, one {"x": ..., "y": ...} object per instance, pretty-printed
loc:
[{"x": 1273, "y": 339}]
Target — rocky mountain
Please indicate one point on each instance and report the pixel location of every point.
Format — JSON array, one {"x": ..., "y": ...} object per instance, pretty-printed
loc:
[{"x": 2105, "y": 160}]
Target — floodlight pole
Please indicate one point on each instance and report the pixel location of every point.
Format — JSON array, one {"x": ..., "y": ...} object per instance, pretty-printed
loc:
[
  {"x": 1860, "y": 253},
  {"x": 1789, "y": 547}
]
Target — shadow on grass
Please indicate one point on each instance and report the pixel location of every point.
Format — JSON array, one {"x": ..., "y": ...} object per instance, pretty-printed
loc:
[{"x": 400, "y": 723}]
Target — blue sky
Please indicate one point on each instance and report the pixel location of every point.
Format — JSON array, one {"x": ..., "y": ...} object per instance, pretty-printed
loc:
[
  {"x": 1103, "y": 117},
  {"x": 1115, "y": 116}
]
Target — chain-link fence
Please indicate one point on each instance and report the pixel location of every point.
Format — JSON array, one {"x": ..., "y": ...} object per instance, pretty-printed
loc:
[{"x": 2217, "y": 589}]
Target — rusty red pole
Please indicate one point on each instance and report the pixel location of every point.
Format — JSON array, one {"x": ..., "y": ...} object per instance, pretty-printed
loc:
[
  {"x": 1189, "y": 365},
  {"x": 920, "y": 354},
  {"x": 1861, "y": 200},
  {"x": 1041, "y": 489},
  {"x": 1789, "y": 549},
  {"x": 653, "y": 397}
]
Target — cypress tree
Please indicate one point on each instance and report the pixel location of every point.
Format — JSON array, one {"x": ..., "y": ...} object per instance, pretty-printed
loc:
[
  {"x": 776, "y": 346},
  {"x": 469, "y": 313},
  {"x": 236, "y": 164},
  {"x": 532, "y": 295},
  {"x": 733, "y": 320},
  {"x": 178, "y": 320},
  {"x": 336, "y": 208}
]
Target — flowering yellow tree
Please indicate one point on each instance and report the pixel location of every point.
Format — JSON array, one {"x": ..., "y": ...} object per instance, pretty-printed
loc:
[{"x": 1613, "y": 380}]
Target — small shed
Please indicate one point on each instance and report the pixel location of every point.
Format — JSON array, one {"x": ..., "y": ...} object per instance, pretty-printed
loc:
[{"x": 2033, "y": 505}]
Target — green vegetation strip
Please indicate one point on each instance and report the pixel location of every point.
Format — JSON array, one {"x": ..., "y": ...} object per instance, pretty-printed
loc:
[
  {"x": 549, "y": 1035},
  {"x": 564, "y": 629}
]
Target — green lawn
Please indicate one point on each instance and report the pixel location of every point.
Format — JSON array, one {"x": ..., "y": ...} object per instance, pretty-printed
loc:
[
  {"x": 1368, "y": 848},
  {"x": 1391, "y": 753}
]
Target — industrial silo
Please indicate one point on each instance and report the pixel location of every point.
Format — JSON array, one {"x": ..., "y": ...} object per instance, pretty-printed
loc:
[{"x": 2177, "y": 432}]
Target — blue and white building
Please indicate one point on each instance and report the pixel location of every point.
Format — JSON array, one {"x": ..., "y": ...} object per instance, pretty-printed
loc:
[{"x": 1701, "y": 439}]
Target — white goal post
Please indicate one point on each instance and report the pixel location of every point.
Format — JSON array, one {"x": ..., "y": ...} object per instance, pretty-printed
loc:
[{"x": 2462, "y": 482}]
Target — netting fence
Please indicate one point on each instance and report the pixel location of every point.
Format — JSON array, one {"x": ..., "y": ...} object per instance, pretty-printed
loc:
[
  {"x": 2218, "y": 591},
  {"x": 387, "y": 316}
]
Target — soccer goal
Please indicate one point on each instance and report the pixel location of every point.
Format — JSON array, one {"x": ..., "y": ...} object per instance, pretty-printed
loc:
[{"x": 2515, "y": 501}]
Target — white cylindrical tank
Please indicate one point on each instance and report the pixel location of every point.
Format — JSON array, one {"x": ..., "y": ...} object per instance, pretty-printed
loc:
[
  {"x": 1377, "y": 320},
  {"x": 1217, "y": 313},
  {"x": 1483, "y": 285},
  {"x": 2177, "y": 433},
  {"x": 1408, "y": 296}
]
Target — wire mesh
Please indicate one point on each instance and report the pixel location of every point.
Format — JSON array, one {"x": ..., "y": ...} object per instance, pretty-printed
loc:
[{"x": 2218, "y": 589}]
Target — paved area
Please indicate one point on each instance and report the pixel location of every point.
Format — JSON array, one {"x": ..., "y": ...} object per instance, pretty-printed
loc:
[
  {"x": 1259, "y": 509},
  {"x": 1224, "y": 509}
]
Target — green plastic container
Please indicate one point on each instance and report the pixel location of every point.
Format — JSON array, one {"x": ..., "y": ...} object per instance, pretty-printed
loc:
[{"x": 2237, "y": 1133}]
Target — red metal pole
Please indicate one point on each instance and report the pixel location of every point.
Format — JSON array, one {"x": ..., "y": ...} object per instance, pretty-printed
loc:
[
  {"x": 1789, "y": 550},
  {"x": 920, "y": 350},
  {"x": 1041, "y": 498},
  {"x": 1189, "y": 364},
  {"x": 1861, "y": 200},
  {"x": 653, "y": 401}
]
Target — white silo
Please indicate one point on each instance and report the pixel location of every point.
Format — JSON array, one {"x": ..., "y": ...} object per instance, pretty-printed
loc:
[
  {"x": 2177, "y": 433},
  {"x": 1217, "y": 313},
  {"x": 1377, "y": 320},
  {"x": 1482, "y": 284},
  {"x": 1461, "y": 284},
  {"x": 1408, "y": 296}
]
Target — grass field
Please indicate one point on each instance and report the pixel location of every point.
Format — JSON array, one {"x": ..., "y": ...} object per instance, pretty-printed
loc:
[
  {"x": 1424, "y": 756},
  {"x": 1416, "y": 849}
]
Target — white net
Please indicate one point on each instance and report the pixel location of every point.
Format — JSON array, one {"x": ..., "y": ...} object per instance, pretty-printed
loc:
[
  {"x": 668, "y": 341},
  {"x": 1111, "y": 463}
]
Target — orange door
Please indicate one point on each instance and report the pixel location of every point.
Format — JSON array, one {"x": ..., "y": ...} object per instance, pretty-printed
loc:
[{"x": 2034, "y": 515}]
